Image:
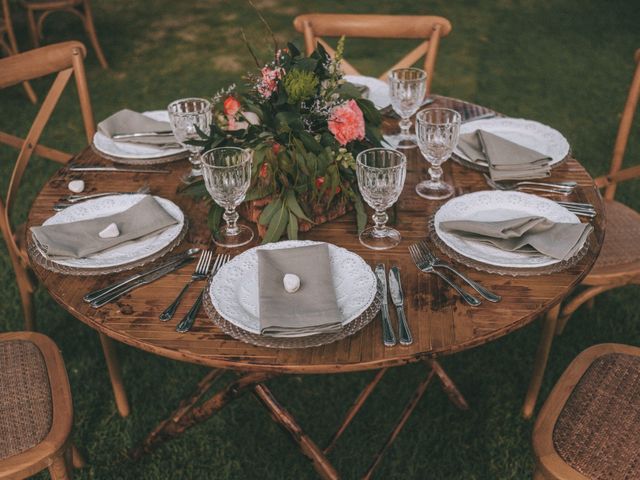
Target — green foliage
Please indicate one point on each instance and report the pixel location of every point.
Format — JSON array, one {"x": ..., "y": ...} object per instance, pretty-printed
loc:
[{"x": 297, "y": 161}]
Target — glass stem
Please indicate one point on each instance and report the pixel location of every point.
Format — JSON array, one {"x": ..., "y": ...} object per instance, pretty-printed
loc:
[
  {"x": 435, "y": 171},
  {"x": 231, "y": 217},
  {"x": 379, "y": 219},
  {"x": 196, "y": 165},
  {"x": 405, "y": 127}
]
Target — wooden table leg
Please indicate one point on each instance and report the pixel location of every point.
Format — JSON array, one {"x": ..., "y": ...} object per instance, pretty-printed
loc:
[
  {"x": 355, "y": 408},
  {"x": 283, "y": 418},
  {"x": 542, "y": 355},
  {"x": 188, "y": 414},
  {"x": 406, "y": 413},
  {"x": 115, "y": 375},
  {"x": 448, "y": 386}
]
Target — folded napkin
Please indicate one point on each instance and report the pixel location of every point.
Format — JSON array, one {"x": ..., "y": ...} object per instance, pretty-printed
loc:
[
  {"x": 313, "y": 308},
  {"x": 127, "y": 121},
  {"x": 525, "y": 234},
  {"x": 507, "y": 160},
  {"x": 81, "y": 239}
]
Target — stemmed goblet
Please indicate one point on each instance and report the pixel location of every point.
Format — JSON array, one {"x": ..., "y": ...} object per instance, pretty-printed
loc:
[
  {"x": 437, "y": 130},
  {"x": 186, "y": 116},
  {"x": 407, "y": 87},
  {"x": 227, "y": 176},
  {"x": 381, "y": 173}
]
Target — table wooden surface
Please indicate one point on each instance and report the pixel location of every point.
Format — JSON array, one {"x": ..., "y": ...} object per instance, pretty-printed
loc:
[{"x": 441, "y": 323}]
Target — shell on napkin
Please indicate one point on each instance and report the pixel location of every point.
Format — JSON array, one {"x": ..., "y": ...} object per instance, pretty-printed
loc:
[{"x": 110, "y": 231}]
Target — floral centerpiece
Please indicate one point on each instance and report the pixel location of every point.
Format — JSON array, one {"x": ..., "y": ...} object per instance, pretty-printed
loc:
[{"x": 305, "y": 125}]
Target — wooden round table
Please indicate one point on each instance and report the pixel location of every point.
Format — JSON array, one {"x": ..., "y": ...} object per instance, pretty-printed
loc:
[{"x": 440, "y": 322}]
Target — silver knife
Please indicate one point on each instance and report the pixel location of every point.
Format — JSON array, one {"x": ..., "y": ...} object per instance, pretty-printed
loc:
[
  {"x": 162, "y": 133},
  {"x": 388, "y": 337},
  {"x": 395, "y": 288},
  {"x": 138, "y": 283},
  {"x": 100, "y": 168},
  {"x": 97, "y": 294}
]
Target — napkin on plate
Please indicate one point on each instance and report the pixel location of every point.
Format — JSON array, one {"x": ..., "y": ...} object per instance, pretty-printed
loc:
[
  {"x": 81, "y": 239},
  {"x": 127, "y": 121},
  {"x": 313, "y": 308},
  {"x": 507, "y": 160},
  {"x": 525, "y": 234}
]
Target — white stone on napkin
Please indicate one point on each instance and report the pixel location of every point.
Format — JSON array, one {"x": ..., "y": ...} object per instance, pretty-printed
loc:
[
  {"x": 291, "y": 282},
  {"x": 111, "y": 231},
  {"x": 76, "y": 186}
]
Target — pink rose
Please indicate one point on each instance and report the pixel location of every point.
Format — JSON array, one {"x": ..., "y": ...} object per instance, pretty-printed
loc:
[
  {"x": 346, "y": 122},
  {"x": 231, "y": 106},
  {"x": 269, "y": 82}
]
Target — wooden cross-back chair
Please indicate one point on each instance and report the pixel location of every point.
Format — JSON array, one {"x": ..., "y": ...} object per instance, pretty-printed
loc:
[
  {"x": 9, "y": 44},
  {"x": 66, "y": 60},
  {"x": 39, "y": 10},
  {"x": 429, "y": 29},
  {"x": 619, "y": 261}
]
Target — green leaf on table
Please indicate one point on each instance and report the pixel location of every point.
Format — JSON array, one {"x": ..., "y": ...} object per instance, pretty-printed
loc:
[
  {"x": 361, "y": 214},
  {"x": 310, "y": 142},
  {"x": 277, "y": 225},
  {"x": 292, "y": 228},
  {"x": 269, "y": 211},
  {"x": 369, "y": 111},
  {"x": 294, "y": 206},
  {"x": 213, "y": 219},
  {"x": 348, "y": 91},
  {"x": 307, "y": 64}
]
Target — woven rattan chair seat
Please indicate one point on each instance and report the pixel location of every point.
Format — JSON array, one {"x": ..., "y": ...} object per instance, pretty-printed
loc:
[
  {"x": 621, "y": 243},
  {"x": 598, "y": 430},
  {"x": 25, "y": 397}
]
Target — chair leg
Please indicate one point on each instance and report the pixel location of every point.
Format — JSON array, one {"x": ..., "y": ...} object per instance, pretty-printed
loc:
[
  {"x": 59, "y": 468},
  {"x": 115, "y": 375},
  {"x": 576, "y": 302},
  {"x": 542, "y": 355},
  {"x": 91, "y": 32},
  {"x": 33, "y": 28},
  {"x": 77, "y": 460}
]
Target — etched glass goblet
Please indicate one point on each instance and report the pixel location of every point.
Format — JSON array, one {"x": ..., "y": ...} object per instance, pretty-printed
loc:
[
  {"x": 186, "y": 116},
  {"x": 381, "y": 173},
  {"x": 437, "y": 130},
  {"x": 407, "y": 88},
  {"x": 227, "y": 176}
]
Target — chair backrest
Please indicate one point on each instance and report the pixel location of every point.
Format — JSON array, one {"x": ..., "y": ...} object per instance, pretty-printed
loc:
[
  {"x": 616, "y": 172},
  {"x": 65, "y": 59},
  {"x": 6, "y": 27},
  {"x": 429, "y": 29}
]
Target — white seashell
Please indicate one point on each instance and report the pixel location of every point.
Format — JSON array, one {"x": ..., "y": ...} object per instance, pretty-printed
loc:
[
  {"x": 76, "y": 186},
  {"x": 291, "y": 282},
  {"x": 110, "y": 232}
]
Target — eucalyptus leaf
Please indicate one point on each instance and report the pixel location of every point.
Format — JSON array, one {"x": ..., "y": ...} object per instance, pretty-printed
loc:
[
  {"x": 269, "y": 211},
  {"x": 361, "y": 214},
  {"x": 292, "y": 228},
  {"x": 277, "y": 224},
  {"x": 294, "y": 206}
]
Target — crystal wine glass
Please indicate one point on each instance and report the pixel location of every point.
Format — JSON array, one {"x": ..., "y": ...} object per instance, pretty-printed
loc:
[
  {"x": 407, "y": 87},
  {"x": 185, "y": 115},
  {"x": 381, "y": 173},
  {"x": 437, "y": 130},
  {"x": 227, "y": 176}
]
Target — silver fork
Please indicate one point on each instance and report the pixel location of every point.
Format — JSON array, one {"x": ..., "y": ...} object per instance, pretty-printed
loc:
[
  {"x": 187, "y": 322},
  {"x": 200, "y": 273},
  {"x": 423, "y": 265},
  {"x": 563, "y": 188},
  {"x": 436, "y": 262}
]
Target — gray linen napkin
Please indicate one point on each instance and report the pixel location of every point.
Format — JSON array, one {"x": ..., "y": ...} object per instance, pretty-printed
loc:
[
  {"x": 525, "y": 234},
  {"x": 507, "y": 160},
  {"x": 128, "y": 121},
  {"x": 313, "y": 308},
  {"x": 80, "y": 239}
]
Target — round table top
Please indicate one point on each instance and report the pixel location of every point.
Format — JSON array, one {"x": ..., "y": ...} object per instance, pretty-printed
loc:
[{"x": 440, "y": 322}]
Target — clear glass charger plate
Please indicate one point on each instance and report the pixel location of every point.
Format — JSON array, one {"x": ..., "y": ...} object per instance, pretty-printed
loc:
[
  {"x": 512, "y": 205},
  {"x": 120, "y": 258},
  {"x": 233, "y": 295},
  {"x": 136, "y": 153}
]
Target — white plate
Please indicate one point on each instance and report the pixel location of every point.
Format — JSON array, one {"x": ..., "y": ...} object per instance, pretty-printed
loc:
[
  {"x": 107, "y": 146},
  {"x": 493, "y": 206},
  {"x": 235, "y": 296},
  {"x": 378, "y": 90},
  {"x": 122, "y": 254},
  {"x": 530, "y": 134}
]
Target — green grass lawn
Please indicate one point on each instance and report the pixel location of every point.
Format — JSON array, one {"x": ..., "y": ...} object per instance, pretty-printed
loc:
[{"x": 567, "y": 63}]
